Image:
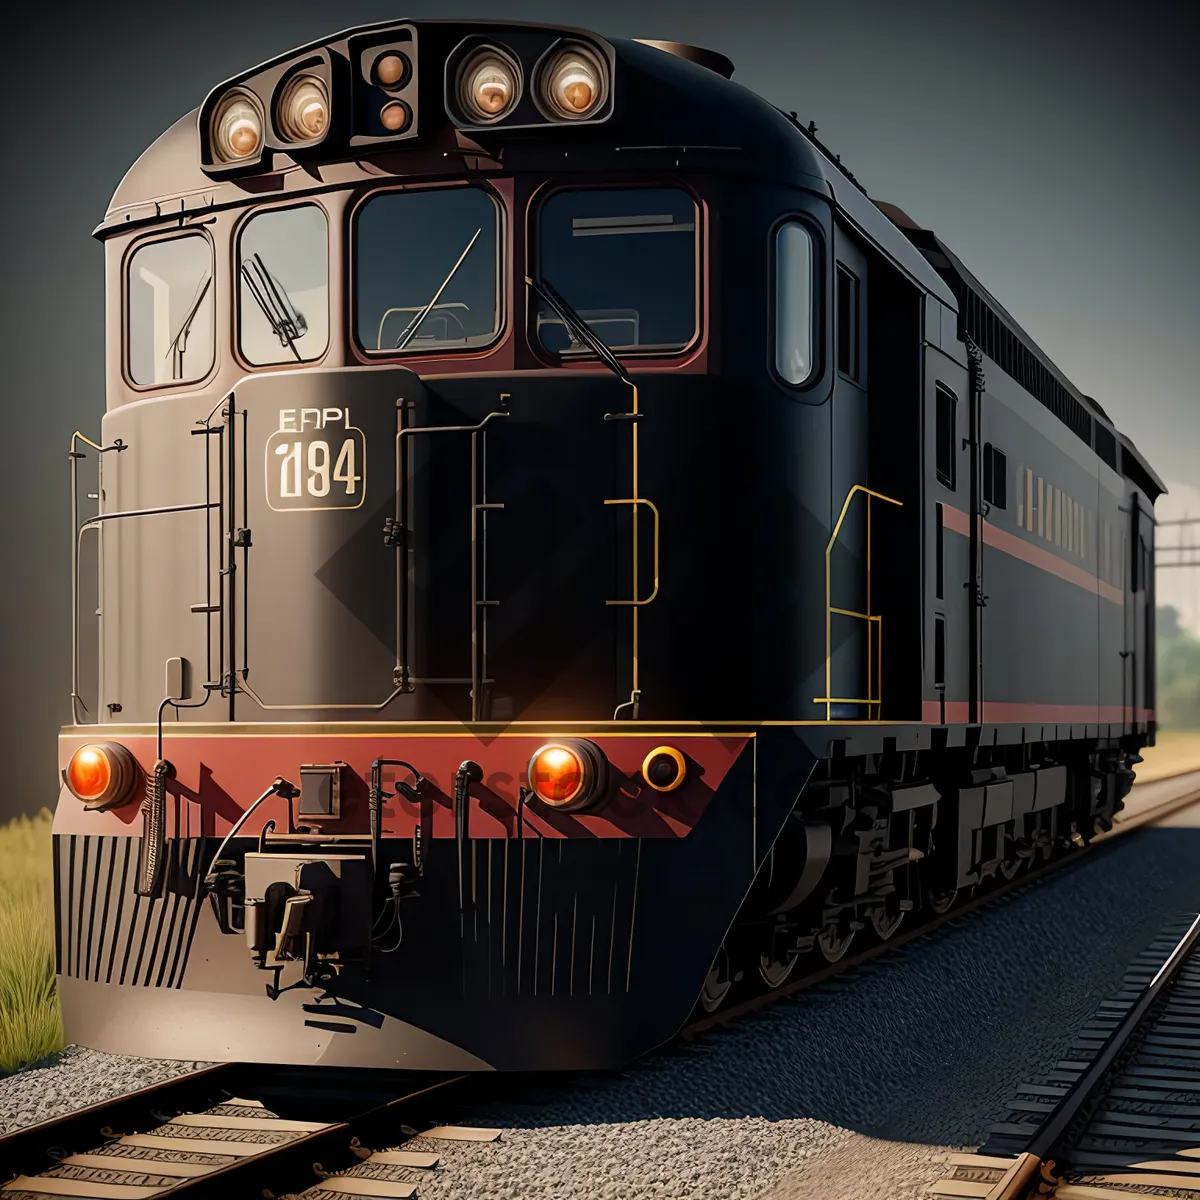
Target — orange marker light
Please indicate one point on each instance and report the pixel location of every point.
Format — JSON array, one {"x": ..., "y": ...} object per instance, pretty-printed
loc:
[
  {"x": 556, "y": 775},
  {"x": 664, "y": 768},
  {"x": 89, "y": 772},
  {"x": 394, "y": 116},
  {"x": 391, "y": 69}
]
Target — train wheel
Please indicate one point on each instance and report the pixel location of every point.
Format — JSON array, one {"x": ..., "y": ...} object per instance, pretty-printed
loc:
[
  {"x": 833, "y": 942},
  {"x": 941, "y": 902},
  {"x": 778, "y": 962},
  {"x": 717, "y": 983},
  {"x": 885, "y": 921},
  {"x": 1010, "y": 868}
]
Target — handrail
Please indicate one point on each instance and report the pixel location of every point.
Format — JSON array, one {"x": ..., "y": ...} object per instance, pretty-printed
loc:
[
  {"x": 635, "y": 503},
  {"x": 74, "y": 456},
  {"x": 874, "y": 697},
  {"x": 636, "y": 602}
]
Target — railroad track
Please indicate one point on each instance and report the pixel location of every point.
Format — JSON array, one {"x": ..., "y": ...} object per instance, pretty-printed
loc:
[
  {"x": 197, "y": 1137},
  {"x": 1119, "y": 1115}
]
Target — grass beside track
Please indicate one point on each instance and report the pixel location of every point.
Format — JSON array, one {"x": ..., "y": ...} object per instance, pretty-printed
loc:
[{"x": 30, "y": 1021}]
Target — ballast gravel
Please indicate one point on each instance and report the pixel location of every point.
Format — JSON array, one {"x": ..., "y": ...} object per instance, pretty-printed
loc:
[{"x": 75, "y": 1079}]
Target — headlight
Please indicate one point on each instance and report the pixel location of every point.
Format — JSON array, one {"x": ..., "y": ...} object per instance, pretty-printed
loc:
[
  {"x": 237, "y": 128},
  {"x": 489, "y": 84},
  {"x": 573, "y": 83},
  {"x": 569, "y": 775},
  {"x": 302, "y": 113},
  {"x": 102, "y": 775}
]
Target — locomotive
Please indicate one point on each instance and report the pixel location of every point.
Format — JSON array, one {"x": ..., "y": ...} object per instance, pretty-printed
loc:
[{"x": 565, "y": 557}]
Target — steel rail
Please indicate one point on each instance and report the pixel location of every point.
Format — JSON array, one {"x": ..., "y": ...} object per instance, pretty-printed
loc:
[
  {"x": 35, "y": 1148},
  {"x": 1037, "y": 1165}
]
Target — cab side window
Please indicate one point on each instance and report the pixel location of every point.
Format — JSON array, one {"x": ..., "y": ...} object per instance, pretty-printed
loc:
[
  {"x": 794, "y": 307},
  {"x": 283, "y": 289},
  {"x": 169, "y": 311}
]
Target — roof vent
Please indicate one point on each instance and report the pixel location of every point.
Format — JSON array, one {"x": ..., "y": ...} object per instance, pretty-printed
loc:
[{"x": 705, "y": 58}]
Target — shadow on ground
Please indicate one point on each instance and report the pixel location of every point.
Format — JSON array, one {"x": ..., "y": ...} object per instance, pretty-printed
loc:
[{"x": 926, "y": 1044}]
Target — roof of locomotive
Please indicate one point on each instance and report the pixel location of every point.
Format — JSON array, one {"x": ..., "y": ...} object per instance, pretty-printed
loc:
[{"x": 671, "y": 103}]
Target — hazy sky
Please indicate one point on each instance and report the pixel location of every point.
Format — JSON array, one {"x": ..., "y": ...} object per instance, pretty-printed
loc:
[{"x": 1053, "y": 146}]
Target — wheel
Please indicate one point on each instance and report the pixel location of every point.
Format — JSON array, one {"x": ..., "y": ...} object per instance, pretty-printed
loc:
[
  {"x": 1010, "y": 868},
  {"x": 885, "y": 921},
  {"x": 833, "y": 942},
  {"x": 942, "y": 902},
  {"x": 717, "y": 983},
  {"x": 779, "y": 961}
]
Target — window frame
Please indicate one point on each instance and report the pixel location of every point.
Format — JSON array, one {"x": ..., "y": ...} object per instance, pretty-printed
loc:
[
  {"x": 235, "y": 245},
  {"x": 819, "y": 318},
  {"x": 853, "y": 371},
  {"x": 940, "y": 389},
  {"x": 131, "y": 251},
  {"x": 995, "y": 477},
  {"x": 350, "y": 273},
  {"x": 533, "y": 247}
]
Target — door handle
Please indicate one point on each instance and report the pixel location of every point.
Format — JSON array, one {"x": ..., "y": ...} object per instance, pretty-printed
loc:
[{"x": 636, "y": 602}]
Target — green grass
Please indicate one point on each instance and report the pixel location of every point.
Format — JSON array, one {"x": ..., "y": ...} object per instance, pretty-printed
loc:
[{"x": 30, "y": 1021}]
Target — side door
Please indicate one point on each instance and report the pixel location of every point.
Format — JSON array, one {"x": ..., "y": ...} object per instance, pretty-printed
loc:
[{"x": 852, "y": 636}]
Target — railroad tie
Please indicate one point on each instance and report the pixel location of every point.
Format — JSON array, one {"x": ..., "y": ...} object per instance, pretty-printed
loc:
[{"x": 358, "y": 1183}]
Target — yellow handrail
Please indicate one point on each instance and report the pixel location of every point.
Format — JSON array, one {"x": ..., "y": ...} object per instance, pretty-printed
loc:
[{"x": 876, "y": 699}]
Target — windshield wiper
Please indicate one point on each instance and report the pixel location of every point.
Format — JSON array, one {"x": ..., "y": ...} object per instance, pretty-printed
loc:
[
  {"x": 410, "y": 330},
  {"x": 286, "y": 321},
  {"x": 579, "y": 327},
  {"x": 178, "y": 346}
]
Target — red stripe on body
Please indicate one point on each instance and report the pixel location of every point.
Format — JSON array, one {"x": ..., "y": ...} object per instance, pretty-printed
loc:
[{"x": 957, "y": 521}]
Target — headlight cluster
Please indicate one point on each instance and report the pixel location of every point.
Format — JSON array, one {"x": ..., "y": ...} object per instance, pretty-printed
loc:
[
  {"x": 571, "y": 81},
  {"x": 391, "y": 72},
  {"x": 364, "y": 90},
  {"x": 289, "y": 108}
]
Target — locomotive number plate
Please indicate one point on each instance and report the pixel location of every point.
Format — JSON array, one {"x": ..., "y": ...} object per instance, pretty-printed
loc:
[{"x": 316, "y": 459}]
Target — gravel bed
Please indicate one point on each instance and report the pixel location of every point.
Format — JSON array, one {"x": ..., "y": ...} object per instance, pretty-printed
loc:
[{"x": 78, "y": 1078}]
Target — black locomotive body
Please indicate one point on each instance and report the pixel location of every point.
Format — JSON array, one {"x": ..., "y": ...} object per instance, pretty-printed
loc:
[{"x": 563, "y": 549}]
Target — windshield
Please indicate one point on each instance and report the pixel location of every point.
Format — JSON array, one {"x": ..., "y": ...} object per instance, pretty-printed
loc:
[
  {"x": 426, "y": 271},
  {"x": 170, "y": 314},
  {"x": 283, "y": 265},
  {"x": 625, "y": 259}
]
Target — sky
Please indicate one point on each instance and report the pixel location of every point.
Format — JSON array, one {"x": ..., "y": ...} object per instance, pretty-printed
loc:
[{"x": 1053, "y": 146}]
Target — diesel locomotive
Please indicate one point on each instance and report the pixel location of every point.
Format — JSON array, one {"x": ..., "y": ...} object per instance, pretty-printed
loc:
[{"x": 563, "y": 557}]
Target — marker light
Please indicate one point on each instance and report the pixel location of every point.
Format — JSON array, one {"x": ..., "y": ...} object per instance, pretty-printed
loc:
[
  {"x": 391, "y": 70},
  {"x": 302, "y": 113},
  {"x": 574, "y": 83},
  {"x": 568, "y": 775},
  {"x": 664, "y": 769},
  {"x": 394, "y": 116},
  {"x": 489, "y": 84},
  {"x": 102, "y": 775},
  {"x": 236, "y": 127}
]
